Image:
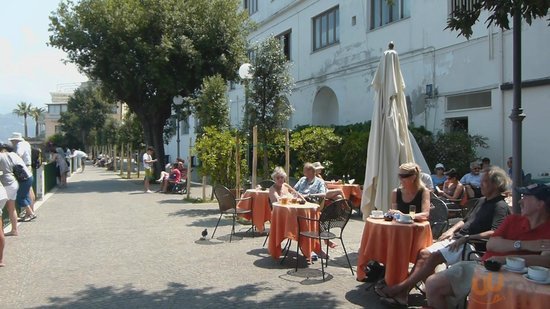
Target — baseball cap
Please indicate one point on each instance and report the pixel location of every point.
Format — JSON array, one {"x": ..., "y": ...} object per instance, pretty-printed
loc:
[
  {"x": 540, "y": 191},
  {"x": 440, "y": 165}
]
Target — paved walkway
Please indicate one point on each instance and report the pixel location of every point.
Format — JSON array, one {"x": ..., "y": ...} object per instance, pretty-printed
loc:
[{"x": 103, "y": 243}]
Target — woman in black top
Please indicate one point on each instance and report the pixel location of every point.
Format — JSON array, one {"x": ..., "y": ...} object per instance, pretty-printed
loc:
[{"x": 411, "y": 192}]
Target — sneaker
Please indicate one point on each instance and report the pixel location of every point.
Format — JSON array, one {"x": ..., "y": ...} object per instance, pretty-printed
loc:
[
  {"x": 148, "y": 191},
  {"x": 314, "y": 256}
]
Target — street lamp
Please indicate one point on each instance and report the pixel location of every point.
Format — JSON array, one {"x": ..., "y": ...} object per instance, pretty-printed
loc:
[{"x": 178, "y": 101}]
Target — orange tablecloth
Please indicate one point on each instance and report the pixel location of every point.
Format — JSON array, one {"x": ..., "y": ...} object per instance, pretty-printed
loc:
[
  {"x": 394, "y": 245},
  {"x": 259, "y": 201},
  {"x": 506, "y": 290},
  {"x": 352, "y": 192},
  {"x": 284, "y": 224}
]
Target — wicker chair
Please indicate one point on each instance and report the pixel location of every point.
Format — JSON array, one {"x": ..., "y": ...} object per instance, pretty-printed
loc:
[
  {"x": 334, "y": 217},
  {"x": 228, "y": 206}
]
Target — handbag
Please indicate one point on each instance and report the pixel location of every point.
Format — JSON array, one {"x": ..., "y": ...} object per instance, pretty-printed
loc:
[
  {"x": 374, "y": 271},
  {"x": 18, "y": 171}
]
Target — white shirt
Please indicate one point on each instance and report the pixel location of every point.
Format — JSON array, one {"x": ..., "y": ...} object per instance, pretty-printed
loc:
[
  {"x": 79, "y": 154},
  {"x": 146, "y": 157},
  {"x": 23, "y": 149}
]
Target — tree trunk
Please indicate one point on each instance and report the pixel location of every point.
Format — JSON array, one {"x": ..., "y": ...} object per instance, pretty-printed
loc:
[
  {"x": 26, "y": 129},
  {"x": 152, "y": 132}
]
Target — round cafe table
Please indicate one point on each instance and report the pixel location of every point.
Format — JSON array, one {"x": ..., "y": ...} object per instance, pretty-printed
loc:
[
  {"x": 506, "y": 290},
  {"x": 284, "y": 225},
  {"x": 259, "y": 203},
  {"x": 394, "y": 245}
]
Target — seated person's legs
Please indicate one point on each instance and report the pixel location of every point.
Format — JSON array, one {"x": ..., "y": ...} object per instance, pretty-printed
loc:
[{"x": 448, "y": 288}]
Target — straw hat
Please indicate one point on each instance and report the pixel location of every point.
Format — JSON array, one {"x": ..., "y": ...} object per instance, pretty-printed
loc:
[{"x": 16, "y": 136}]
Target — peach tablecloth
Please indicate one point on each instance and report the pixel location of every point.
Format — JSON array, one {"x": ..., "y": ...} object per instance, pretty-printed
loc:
[
  {"x": 394, "y": 245},
  {"x": 352, "y": 192},
  {"x": 259, "y": 201},
  {"x": 506, "y": 290},
  {"x": 284, "y": 224}
]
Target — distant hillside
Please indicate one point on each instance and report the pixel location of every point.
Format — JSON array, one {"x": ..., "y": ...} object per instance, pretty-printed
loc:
[{"x": 11, "y": 123}]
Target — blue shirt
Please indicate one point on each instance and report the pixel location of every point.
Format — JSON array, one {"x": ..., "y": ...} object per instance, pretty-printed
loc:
[
  {"x": 438, "y": 181},
  {"x": 471, "y": 179},
  {"x": 315, "y": 187}
]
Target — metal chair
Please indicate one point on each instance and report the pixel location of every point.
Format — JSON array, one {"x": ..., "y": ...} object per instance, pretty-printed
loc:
[
  {"x": 334, "y": 216},
  {"x": 266, "y": 184},
  {"x": 228, "y": 206},
  {"x": 439, "y": 216}
]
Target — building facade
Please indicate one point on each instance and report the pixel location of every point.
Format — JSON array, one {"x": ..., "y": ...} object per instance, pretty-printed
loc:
[{"x": 451, "y": 83}]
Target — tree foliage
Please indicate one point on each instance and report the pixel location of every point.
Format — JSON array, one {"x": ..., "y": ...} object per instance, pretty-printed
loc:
[
  {"x": 23, "y": 110},
  {"x": 314, "y": 144},
  {"x": 36, "y": 113},
  {"x": 216, "y": 150},
  {"x": 210, "y": 104},
  {"x": 145, "y": 52},
  {"x": 464, "y": 17},
  {"x": 86, "y": 111}
]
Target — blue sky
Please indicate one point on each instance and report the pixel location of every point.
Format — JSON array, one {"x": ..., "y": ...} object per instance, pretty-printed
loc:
[{"x": 29, "y": 69}]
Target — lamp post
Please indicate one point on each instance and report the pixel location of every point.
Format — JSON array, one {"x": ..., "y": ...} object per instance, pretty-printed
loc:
[
  {"x": 246, "y": 75},
  {"x": 178, "y": 101}
]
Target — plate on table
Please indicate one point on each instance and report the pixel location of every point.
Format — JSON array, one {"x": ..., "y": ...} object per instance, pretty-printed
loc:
[
  {"x": 536, "y": 281},
  {"x": 514, "y": 270},
  {"x": 404, "y": 222},
  {"x": 376, "y": 217}
]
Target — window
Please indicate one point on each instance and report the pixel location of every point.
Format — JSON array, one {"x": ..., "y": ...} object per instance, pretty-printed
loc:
[
  {"x": 57, "y": 109},
  {"x": 458, "y": 5},
  {"x": 284, "y": 40},
  {"x": 382, "y": 13},
  {"x": 251, "y": 6},
  {"x": 184, "y": 126},
  {"x": 456, "y": 124},
  {"x": 326, "y": 28},
  {"x": 469, "y": 101}
]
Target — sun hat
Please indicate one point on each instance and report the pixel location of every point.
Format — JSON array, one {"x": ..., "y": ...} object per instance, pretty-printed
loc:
[
  {"x": 440, "y": 165},
  {"x": 317, "y": 165},
  {"x": 451, "y": 173},
  {"x": 16, "y": 136}
]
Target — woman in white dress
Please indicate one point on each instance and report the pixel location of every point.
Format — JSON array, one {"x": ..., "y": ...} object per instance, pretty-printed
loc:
[{"x": 62, "y": 166}]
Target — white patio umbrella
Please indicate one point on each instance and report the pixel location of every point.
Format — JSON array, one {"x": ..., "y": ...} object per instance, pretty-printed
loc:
[{"x": 389, "y": 142}]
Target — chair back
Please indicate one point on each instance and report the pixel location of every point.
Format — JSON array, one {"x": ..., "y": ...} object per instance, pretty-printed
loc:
[
  {"x": 335, "y": 215},
  {"x": 470, "y": 205},
  {"x": 266, "y": 184},
  {"x": 438, "y": 216},
  {"x": 292, "y": 181},
  {"x": 226, "y": 199}
]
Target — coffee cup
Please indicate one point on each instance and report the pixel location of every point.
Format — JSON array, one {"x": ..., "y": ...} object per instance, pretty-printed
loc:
[
  {"x": 405, "y": 218},
  {"x": 377, "y": 213},
  {"x": 538, "y": 273},
  {"x": 516, "y": 263}
]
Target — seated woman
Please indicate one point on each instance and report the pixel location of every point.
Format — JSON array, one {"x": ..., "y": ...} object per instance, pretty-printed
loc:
[
  {"x": 410, "y": 192},
  {"x": 331, "y": 194},
  {"x": 280, "y": 187},
  {"x": 173, "y": 178},
  {"x": 452, "y": 188}
]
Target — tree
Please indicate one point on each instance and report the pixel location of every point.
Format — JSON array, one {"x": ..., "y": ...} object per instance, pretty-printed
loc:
[
  {"x": 464, "y": 17},
  {"x": 23, "y": 110},
  {"x": 87, "y": 110},
  {"x": 145, "y": 52},
  {"x": 271, "y": 83},
  {"x": 210, "y": 105},
  {"x": 36, "y": 113}
]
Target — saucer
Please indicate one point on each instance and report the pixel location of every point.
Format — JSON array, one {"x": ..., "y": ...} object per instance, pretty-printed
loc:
[
  {"x": 376, "y": 217},
  {"x": 536, "y": 281},
  {"x": 404, "y": 222},
  {"x": 514, "y": 270}
]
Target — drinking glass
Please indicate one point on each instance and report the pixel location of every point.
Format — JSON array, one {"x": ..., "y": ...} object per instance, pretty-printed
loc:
[{"x": 412, "y": 210}]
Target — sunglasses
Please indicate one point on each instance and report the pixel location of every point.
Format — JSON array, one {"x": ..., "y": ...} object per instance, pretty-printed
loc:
[{"x": 405, "y": 175}]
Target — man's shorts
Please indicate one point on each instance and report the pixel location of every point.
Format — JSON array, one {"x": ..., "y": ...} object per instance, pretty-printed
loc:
[
  {"x": 149, "y": 173},
  {"x": 451, "y": 257}
]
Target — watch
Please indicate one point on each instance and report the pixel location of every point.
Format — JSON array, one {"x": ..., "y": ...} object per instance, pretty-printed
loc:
[{"x": 517, "y": 244}]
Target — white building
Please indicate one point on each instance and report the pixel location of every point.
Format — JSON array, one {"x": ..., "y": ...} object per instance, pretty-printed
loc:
[{"x": 335, "y": 47}]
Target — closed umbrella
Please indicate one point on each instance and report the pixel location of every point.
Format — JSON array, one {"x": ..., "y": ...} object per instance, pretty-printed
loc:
[{"x": 389, "y": 142}]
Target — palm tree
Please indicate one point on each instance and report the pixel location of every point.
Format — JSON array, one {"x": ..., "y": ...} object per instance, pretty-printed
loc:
[
  {"x": 36, "y": 113},
  {"x": 23, "y": 109}
]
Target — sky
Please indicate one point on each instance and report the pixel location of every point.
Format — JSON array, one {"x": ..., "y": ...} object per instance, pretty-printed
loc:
[{"x": 29, "y": 69}]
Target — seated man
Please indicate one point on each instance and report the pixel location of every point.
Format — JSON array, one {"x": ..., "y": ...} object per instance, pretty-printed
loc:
[
  {"x": 526, "y": 235},
  {"x": 174, "y": 178},
  {"x": 472, "y": 180},
  {"x": 309, "y": 184},
  {"x": 487, "y": 215}
]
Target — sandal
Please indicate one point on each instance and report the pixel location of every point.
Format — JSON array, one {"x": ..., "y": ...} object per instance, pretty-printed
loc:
[{"x": 393, "y": 302}]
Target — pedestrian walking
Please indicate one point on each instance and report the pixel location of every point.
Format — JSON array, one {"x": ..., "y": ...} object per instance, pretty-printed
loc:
[{"x": 148, "y": 168}]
